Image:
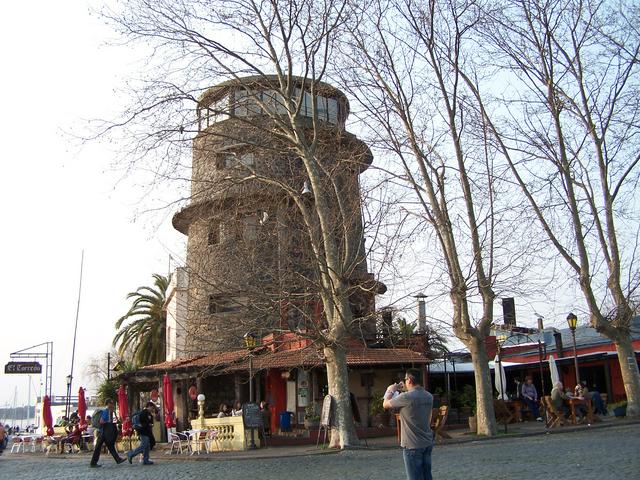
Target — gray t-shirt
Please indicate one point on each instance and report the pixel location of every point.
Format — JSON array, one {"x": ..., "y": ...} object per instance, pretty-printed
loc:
[{"x": 415, "y": 416}]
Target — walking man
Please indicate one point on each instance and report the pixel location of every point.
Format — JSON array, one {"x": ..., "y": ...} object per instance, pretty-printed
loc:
[
  {"x": 107, "y": 434},
  {"x": 416, "y": 438},
  {"x": 145, "y": 417}
]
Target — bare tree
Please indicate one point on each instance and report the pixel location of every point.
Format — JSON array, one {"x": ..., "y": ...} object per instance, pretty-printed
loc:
[
  {"x": 267, "y": 57},
  {"x": 408, "y": 55},
  {"x": 569, "y": 129}
]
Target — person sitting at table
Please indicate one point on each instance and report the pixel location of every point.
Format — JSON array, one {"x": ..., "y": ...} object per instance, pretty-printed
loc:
[
  {"x": 530, "y": 396},
  {"x": 3, "y": 435},
  {"x": 74, "y": 435},
  {"x": 578, "y": 408},
  {"x": 597, "y": 401},
  {"x": 224, "y": 410},
  {"x": 236, "y": 411},
  {"x": 581, "y": 391},
  {"x": 518, "y": 384},
  {"x": 558, "y": 397}
]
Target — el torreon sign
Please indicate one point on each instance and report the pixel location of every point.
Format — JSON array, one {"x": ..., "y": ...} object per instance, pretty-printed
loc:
[{"x": 23, "y": 367}]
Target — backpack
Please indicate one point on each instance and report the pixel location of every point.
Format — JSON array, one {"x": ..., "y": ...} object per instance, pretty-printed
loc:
[
  {"x": 95, "y": 420},
  {"x": 135, "y": 421}
]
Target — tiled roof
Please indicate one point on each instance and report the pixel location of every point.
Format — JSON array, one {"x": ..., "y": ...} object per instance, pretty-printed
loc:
[
  {"x": 586, "y": 336},
  {"x": 237, "y": 360},
  {"x": 171, "y": 364}
]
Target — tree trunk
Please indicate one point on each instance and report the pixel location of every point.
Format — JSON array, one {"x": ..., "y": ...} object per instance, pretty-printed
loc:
[
  {"x": 630, "y": 375},
  {"x": 344, "y": 434},
  {"x": 485, "y": 415}
]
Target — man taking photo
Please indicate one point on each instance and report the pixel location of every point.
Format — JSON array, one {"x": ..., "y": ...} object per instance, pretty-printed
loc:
[{"x": 416, "y": 438}]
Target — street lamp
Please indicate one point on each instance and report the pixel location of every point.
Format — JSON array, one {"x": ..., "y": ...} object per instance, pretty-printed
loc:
[
  {"x": 201, "y": 398},
  {"x": 68, "y": 403},
  {"x": 572, "y": 320},
  {"x": 500, "y": 339},
  {"x": 250, "y": 344}
]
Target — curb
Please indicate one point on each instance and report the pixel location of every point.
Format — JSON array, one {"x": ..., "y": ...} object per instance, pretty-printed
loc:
[{"x": 509, "y": 436}]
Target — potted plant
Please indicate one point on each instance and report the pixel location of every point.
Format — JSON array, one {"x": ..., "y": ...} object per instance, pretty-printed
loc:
[
  {"x": 311, "y": 417},
  {"x": 467, "y": 400},
  {"x": 619, "y": 409},
  {"x": 379, "y": 416}
]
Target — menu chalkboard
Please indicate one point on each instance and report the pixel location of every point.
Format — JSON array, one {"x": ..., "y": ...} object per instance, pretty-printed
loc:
[
  {"x": 252, "y": 415},
  {"x": 325, "y": 415}
]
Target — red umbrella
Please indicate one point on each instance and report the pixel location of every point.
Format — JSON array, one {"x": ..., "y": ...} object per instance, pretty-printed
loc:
[
  {"x": 123, "y": 407},
  {"x": 167, "y": 396},
  {"x": 46, "y": 415},
  {"x": 82, "y": 409}
]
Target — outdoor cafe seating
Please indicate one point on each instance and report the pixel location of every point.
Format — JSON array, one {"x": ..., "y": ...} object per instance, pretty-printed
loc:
[
  {"x": 27, "y": 443},
  {"x": 554, "y": 417},
  {"x": 574, "y": 403}
]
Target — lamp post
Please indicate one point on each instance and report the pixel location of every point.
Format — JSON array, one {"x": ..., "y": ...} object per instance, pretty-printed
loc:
[
  {"x": 201, "y": 398},
  {"x": 500, "y": 339},
  {"x": 250, "y": 343},
  {"x": 68, "y": 402},
  {"x": 572, "y": 320}
]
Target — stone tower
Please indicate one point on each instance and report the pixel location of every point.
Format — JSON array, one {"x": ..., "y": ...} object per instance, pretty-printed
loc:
[{"x": 248, "y": 255}]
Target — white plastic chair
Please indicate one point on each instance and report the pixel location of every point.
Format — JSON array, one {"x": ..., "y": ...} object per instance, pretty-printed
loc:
[
  {"x": 197, "y": 439},
  {"x": 176, "y": 440},
  {"x": 212, "y": 438},
  {"x": 16, "y": 444},
  {"x": 37, "y": 442}
]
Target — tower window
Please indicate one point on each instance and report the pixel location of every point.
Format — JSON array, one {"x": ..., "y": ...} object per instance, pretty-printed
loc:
[
  {"x": 213, "y": 236},
  {"x": 250, "y": 224},
  {"x": 218, "y": 304},
  {"x": 232, "y": 160}
]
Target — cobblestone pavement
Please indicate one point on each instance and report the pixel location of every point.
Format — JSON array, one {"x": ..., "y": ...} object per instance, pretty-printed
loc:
[{"x": 602, "y": 454}]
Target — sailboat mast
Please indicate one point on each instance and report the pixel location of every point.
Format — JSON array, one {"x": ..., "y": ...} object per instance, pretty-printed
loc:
[{"x": 75, "y": 332}]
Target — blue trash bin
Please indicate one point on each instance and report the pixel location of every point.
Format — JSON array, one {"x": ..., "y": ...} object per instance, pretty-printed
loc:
[{"x": 285, "y": 421}]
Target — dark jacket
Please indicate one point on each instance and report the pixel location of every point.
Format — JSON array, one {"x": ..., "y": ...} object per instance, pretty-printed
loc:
[{"x": 146, "y": 424}]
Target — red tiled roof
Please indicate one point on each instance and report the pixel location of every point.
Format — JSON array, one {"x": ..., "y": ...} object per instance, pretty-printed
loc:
[
  {"x": 377, "y": 356},
  {"x": 171, "y": 364},
  {"x": 237, "y": 360}
]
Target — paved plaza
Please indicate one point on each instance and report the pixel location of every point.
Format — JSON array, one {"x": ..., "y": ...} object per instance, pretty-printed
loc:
[{"x": 602, "y": 454}]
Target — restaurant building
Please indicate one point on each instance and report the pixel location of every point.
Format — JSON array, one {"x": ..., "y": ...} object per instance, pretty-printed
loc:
[
  {"x": 527, "y": 352},
  {"x": 288, "y": 372}
]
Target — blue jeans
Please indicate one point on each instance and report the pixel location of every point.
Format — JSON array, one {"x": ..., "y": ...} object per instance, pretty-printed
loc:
[
  {"x": 417, "y": 462},
  {"x": 142, "y": 449},
  {"x": 533, "y": 406}
]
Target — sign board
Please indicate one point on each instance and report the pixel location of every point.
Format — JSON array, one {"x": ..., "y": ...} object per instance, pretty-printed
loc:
[
  {"x": 252, "y": 415},
  {"x": 325, "y": 415},
  {"x": 23, "y": 367}
]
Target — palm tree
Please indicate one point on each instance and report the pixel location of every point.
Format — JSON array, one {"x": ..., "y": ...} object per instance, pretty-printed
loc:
[{"x": 144, "y": 334}]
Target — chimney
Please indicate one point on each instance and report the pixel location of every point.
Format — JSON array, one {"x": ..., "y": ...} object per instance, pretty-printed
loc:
[
  {"x": 509, "y": 311},
  {"x": 557, "y": 338},
  {"x": 422, "y": 314},
  {"x": 540, "y": 323}
]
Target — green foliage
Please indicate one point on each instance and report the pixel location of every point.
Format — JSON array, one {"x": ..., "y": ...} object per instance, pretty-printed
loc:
[
  {"x": 311, "y": 412},
  {"x": 144, "y": 334},
  {"x": 375, "y": 406},
  {"x": 467, "y": 398},
  {"x": 108, "y": 389},
  {"x": 612, "y": 406},
  {"x": 436, "y": 343},
  {"x": 403, "y": 329}
]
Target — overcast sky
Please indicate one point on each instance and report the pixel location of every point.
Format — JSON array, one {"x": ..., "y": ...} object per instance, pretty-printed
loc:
[{"x": 58, "y": 199}]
